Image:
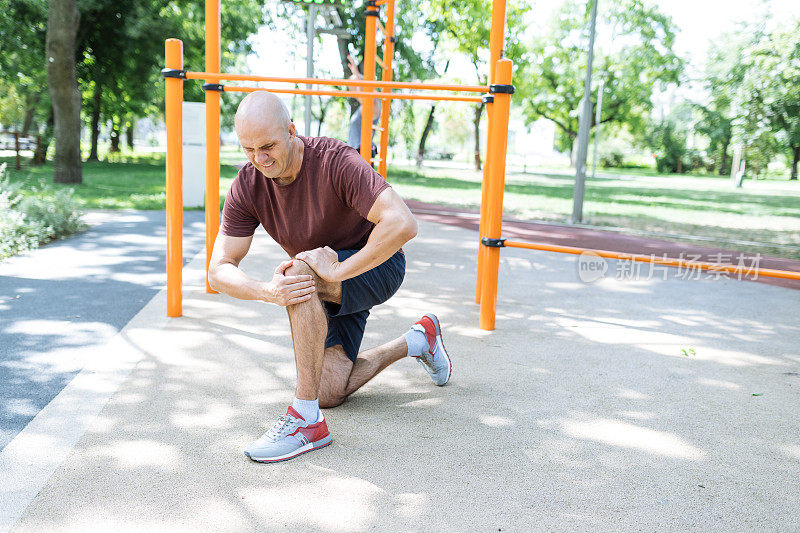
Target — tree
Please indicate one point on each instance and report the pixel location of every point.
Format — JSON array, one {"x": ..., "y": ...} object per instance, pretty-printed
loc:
[
  {"x": 638, "y": 59},
  {"x": 769, "y": 96},
  {"x": 667, "y": 139},
  {"x": 467, "y": 23},
  {"x": 62, "y": 27},
  {"x": 22, "y": 52}
]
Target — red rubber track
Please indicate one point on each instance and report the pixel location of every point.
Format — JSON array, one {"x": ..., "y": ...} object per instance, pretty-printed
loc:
[{"x": 603, "y": 240}]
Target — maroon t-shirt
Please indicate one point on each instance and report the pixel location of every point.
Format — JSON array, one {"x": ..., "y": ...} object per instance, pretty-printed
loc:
[{"x": 327, "y": 205}]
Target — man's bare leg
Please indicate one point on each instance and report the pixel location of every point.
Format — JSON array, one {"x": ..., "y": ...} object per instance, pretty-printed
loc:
[
  {"x": 309, "y": 325},
  {"x": 341, "y": 378}
]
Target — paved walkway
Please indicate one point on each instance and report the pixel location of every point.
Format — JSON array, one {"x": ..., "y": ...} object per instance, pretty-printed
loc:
[
  {"x": 633, "y": 405},
  {"x": 66, "y": 298}
]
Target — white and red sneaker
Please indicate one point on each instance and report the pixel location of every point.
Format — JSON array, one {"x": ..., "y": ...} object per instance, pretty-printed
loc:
[
  {"x": 289, "y": 437},
  {"x": 435, "y": 360}
]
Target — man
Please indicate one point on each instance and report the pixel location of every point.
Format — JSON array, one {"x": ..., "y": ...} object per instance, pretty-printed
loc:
[
  {"x": 354, "y": 135},
  {"x": 344, "y": 227}
]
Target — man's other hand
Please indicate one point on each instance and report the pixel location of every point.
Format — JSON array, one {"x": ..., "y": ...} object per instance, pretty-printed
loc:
[
  {"x": 289, "y": 290},
  {"x": 324, "y": 261}
]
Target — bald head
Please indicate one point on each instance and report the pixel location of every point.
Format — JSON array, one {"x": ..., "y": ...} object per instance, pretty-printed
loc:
[
  {"x": 268, "y": 136},
  {"x": 263, "y": 109}
]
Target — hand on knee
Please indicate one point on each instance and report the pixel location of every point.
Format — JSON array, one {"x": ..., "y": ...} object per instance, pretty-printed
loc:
[{"x": 301, "y": 268}]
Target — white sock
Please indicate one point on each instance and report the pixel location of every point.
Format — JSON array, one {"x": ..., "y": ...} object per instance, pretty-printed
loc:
[
  {"x": 308, "y": 409},
  {"x": 417, "y": 342}
]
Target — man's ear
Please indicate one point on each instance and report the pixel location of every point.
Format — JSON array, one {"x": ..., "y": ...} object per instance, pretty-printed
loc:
[{"x": 292, "y": 130}]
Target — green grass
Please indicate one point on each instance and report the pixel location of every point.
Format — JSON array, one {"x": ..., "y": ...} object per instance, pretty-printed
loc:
[
  {"x": 764, "y": 213},
  {"x": 697, "y": 209},
  {"x": 137, "y": 183}
]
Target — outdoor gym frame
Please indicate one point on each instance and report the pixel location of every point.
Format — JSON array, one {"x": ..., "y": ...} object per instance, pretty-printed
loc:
[{"x": 496, "y": 96}]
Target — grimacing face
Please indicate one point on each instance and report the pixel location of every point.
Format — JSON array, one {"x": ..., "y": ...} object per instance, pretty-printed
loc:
[{"x": 268, "y": 148}]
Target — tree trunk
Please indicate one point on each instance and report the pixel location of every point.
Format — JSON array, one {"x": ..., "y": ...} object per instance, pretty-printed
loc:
[
  {"x": 62, "y": 81},
  {"x": 129, "y": 134},
  {"x": 96, "y": 100},
  {"x": 323, "y": 111},
  {"x": 114, "y": 136},
  {"x": 28, "y": 121},
  {"x": 723, "y": 166},
  {"x": 43, "y": 142},
  {"x": 795, "y": 159},
  {"x": 424, "y": 138},
  {"x": 477, "y": 124}
]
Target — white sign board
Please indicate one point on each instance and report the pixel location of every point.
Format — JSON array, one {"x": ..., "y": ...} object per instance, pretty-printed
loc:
[{"x": 194, "y": 154}]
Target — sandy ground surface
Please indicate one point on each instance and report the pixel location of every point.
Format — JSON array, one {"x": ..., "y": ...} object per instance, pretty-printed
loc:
[{"x": 622, "y": 404}]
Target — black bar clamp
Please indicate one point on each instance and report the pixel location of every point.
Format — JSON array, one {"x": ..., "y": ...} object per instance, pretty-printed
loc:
[
  {"x": 488, "y": 98},
  {"x": 496, "y": 88},
  {"x": 213, "y": 87},
  {"x": 372, "y": 14},
  {"x": 393, "y": 39},
  {"x": 493, "y": 243},
  {"x": 173, "y": 73}
]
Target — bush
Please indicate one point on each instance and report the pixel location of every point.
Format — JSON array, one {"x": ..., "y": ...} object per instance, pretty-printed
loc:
[
  {"x": 612, "y": 159},
  {"x": 30, "y": 221}
]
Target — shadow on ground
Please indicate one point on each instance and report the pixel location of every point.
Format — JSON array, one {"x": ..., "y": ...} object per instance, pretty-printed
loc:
[{"x": 579, "y": 412}]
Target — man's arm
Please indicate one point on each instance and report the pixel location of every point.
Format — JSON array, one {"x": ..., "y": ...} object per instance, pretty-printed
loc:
[
  {"x": 225, "y": 276},
  {"x": 394, "y": 226}
]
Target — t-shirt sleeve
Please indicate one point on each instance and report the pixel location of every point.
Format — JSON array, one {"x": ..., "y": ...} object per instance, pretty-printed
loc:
[
  {"x": 356, "y": 183},
  {"x": 238, "y": 217}
]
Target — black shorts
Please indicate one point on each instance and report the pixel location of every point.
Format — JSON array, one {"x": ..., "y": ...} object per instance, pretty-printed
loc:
[{"x": 346, "y": 321}]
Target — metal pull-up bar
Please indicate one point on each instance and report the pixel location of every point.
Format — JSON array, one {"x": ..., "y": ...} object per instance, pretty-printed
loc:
[{"x": 174, "y": 76}]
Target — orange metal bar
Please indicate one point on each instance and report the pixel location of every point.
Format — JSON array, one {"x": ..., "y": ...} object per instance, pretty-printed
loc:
[
  {"x": 381, "y": 27},
  {"x": 496, "y": 36},
  {"x": 490, "y": 135},
  {"x": 751, "y": 271},
  {"x": 212, "y": 132},
  {"x": 496, "y": 41},
  {"x": 367, "y": 104},
  {"x": 173, "y": 98},
  {"x": 216, "y": 77},
  {"x": 494, "y": 220},
  {"x": 353, "y": 94},
  {"x": 386, "y": 76},
  {"x": 380, "y": 63},
  {"x": 380, "y": 2}
]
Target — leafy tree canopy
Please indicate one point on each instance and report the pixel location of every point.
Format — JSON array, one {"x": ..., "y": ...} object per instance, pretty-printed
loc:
[{"x": 635, "y": 57}]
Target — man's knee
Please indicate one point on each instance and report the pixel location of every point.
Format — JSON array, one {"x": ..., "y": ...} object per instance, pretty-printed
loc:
[
  {"x": 329, "y": 399},
  {"x": 301, "y": 268}
]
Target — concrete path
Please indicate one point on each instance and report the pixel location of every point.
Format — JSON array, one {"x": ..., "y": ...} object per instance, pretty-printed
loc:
[
  {"x": 59, "y": 302},
  {"x": 580, "y": 412}
]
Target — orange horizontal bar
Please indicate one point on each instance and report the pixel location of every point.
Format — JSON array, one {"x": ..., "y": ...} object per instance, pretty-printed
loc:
[
  {"x": 749, "y": 271},
  {"x": 214, "y": 76},
  {"x": 380, "y": 2},
  {"x": 355, "y": 94}
]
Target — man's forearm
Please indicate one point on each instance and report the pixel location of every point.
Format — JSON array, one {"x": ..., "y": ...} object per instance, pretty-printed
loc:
[
  {"x": 229, "y": 279},
  {"x": 386, "y": 239}
]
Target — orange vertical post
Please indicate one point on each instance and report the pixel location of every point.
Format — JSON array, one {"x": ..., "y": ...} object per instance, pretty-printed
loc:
[
  {"x": 369, "y": 74},
  {"x": 494, "y": 219},
  {"x": 496, "y": 41},
  {"x": 173, "y": 89},
  {"x": 386, "y": 105},
  {"x": 212, "y": 131}
]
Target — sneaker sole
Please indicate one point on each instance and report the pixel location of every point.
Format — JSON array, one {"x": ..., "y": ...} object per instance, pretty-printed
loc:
[
  {"x": 435, "y": 321},
  {"x": 310, "y": 447}
]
